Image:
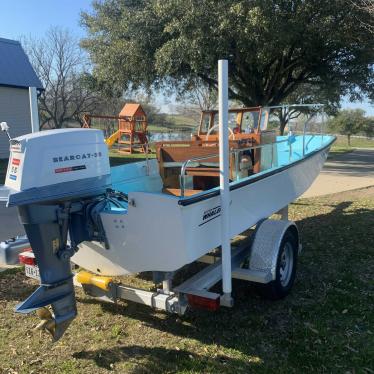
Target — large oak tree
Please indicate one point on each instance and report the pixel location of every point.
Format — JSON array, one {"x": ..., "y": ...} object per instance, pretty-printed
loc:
[{"x": 273, "y": 46}]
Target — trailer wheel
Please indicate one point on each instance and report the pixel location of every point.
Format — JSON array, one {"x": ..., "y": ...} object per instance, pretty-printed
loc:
[{"x": 285, "y": 269}]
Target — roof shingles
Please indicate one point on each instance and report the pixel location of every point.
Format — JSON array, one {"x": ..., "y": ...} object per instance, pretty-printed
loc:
[{"x": 15, "y": 67}]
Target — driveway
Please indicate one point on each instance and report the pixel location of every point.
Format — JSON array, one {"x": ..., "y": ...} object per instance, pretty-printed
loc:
[{"x": 345, "y": 172}]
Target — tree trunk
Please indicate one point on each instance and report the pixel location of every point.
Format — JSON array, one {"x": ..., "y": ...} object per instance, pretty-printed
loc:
[{"x": 349, "y": 139}]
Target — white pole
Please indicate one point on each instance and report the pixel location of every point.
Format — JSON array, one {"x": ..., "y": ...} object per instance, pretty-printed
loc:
[
  {"x": 34, "y": 109},
  {"x": 226, "y": 299}
]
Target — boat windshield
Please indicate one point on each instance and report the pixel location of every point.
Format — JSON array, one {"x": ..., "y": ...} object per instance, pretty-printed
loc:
[
  {"x": 249, "y": 122},
  {"x": 233, "y": 123},
  {"x": 205, "y": 122},
  {"x": 240, "y": 120},
  {"x": 265, "y": 113}
]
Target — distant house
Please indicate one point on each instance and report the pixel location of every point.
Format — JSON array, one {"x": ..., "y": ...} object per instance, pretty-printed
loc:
[{"x": 18, "y": 82}]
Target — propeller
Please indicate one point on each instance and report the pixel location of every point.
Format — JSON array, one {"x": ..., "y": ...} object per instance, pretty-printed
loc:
[{"x": 47, "y": 322}]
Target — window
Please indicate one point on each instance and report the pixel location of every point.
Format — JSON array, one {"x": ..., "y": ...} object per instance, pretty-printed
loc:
[
  {"x": 249, "y": 122},
  {"x": 264, "y": 118},
  {"x": 205, "y": 123}
]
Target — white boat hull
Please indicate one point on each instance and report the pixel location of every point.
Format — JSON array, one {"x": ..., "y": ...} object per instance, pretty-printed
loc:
[{"x": 163, "y": 233}]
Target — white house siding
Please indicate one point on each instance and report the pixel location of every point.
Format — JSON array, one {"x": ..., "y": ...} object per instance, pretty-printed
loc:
[{"x": 15, "y": 110}]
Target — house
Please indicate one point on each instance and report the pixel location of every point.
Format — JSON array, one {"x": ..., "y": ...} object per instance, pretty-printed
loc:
[{"x": 18, "y": 92}]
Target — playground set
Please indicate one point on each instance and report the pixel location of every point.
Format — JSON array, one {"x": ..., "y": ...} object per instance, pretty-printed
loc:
[{"x": 130, "y": 133}]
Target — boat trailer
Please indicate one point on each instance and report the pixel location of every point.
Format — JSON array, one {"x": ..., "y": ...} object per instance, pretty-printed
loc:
[
  {"x": 253, "y": 259},
  {"x": 64, "y": 198}
]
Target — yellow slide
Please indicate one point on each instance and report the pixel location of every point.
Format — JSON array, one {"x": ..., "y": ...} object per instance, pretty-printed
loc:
[{"x": 112, "y": 139}]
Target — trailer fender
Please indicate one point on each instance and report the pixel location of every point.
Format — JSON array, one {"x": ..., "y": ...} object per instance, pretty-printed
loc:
[{"x": 266, "y": 245}]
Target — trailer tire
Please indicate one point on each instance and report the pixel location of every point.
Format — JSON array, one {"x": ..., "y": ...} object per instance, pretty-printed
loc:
[{"x": 285, "y": 268}]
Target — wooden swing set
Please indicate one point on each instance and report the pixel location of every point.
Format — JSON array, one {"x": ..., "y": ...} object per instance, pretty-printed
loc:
[{"x": 130, "y": 131}]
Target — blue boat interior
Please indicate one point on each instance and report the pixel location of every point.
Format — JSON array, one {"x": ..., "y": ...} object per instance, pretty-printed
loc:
[{"x": 145, "y": 176}]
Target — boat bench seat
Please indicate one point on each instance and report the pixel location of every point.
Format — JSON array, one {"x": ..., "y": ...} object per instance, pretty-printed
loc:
[
  {"x": 196, "y": 169},
  {"x": 201, "y": 171},
  {"x": 177, "y": 191},
  {"x": 190, "y": 165},
  {"x": 172, "y": 156}
]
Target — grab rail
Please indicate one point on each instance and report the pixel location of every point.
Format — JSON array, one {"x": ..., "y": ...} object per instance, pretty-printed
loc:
[
  {"x": 304, "y": 130},
  {"x": 184, "y": 167}
]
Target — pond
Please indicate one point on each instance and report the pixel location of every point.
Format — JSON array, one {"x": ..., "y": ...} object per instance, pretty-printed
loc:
[{"x": 166, "y": 136}]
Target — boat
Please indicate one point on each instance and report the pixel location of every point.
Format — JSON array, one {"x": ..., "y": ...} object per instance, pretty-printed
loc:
[
  {"x": 173, "y": 206},
  {"x": 161, "y": 214}
]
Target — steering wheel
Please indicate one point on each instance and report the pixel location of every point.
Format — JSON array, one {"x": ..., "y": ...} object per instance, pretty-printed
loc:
[{"x": 232, "y": 135}]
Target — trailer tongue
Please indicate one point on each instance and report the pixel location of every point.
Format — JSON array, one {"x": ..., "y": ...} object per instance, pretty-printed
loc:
[{"x": 52, "y": 178}]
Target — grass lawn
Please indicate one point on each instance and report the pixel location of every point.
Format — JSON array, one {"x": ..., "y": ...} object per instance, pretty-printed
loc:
[
  {"x": 117, "y": 158},
  {"x": 342, "y": 143},
  {"x": 175, "y": 123},
  {"x": 326, "y": 325}
]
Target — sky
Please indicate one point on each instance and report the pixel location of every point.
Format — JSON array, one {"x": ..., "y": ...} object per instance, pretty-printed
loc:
[{"x": 34, "y": 17}]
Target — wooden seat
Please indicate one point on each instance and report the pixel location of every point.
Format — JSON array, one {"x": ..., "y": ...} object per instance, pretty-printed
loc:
[
  {"x": 203, "y": 172},
  {"x": 202, "y": 167},
  {"x": 177, "y": 191}
]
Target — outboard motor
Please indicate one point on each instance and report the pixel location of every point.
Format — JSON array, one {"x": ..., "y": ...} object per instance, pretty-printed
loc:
[{"x": 52, "y": 177}]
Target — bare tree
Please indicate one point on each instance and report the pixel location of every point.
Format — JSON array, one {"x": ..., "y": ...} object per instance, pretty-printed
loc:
[{"x": 61, "y": 66}]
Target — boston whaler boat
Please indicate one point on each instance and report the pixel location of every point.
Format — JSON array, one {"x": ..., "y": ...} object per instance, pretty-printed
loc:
[
  {"x": 176, "y": 197},
  {"x": 161, "y": 214}
]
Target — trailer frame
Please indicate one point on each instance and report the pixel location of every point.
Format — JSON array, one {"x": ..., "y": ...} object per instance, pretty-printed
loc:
[{"x": 263, "y": 244}]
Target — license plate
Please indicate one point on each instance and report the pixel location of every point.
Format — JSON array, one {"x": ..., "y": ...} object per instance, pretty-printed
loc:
[{"x": 32, "y": 271}]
